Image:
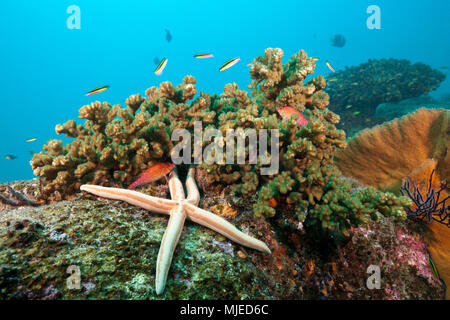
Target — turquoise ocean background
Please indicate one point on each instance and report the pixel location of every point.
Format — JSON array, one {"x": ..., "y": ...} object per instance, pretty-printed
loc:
[{"x": 46, "y": 68}]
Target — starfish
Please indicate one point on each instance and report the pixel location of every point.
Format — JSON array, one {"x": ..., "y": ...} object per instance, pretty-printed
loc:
[{"x": 178, "y": 208}]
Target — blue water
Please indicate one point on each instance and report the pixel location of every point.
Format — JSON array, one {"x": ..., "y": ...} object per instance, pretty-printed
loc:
[{"x": 46, "y": 68}]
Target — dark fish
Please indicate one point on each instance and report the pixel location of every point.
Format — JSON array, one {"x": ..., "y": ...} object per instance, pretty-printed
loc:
[
  {"x": 10, "y": 157},
  {"x": 338, "y": 41},
  {"x": 156, "y": 60},
  {"x": 32, "y": 152},
  {"x": 168, "y": 36}
]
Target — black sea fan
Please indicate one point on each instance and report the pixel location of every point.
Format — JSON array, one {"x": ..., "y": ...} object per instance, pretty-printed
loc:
[{"x": 430, "y": 208}]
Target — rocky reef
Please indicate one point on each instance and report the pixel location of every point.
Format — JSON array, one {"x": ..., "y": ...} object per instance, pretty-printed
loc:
[
  {"x": 305, "y": 211},
  {"x": 115, "y": 247},
  {"x": 411, "y": 148},
  {"x": 358, "y": 90}
]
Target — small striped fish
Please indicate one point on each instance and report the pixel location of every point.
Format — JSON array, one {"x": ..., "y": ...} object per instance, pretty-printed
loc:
[
  {"x": 435, "y": 270},
  {"x": 329, "y": 66},
  {"x": 203, "y": 55},
  {"x": 97, "y": 90},
  {"x": 229, "y": 64},
  {"x": 159, "y": 69}
]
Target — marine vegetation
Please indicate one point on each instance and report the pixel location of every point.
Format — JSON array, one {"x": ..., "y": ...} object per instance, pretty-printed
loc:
[
  {"x": 117, "y": 144},
  {"x": 407, "y": 149},
  {"x": 427, "y": 207},
  {"x": 366, "y": 86}
]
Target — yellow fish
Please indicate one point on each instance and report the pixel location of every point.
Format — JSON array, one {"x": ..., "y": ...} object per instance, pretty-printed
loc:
[
  {"x": 97, "y": 90},
  {"x": 329, "y": 66},
  {"x": 348, "y": 107},
  {"x": 31, "y": 139},
  {"x": 356, "y": 113},
  {"x": 332, "y": 79}
]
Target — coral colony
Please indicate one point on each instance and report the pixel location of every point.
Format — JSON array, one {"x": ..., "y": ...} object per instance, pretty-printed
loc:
[
  {"x": 362, "y": 88},
  {"x": 427, "y": 207},
  {"x": 112, "y": 152},
  {"x": 282, "y": 193}
]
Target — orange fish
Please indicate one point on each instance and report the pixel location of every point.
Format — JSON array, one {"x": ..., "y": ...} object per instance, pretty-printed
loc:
[
  {"x": 287, "y": 112},
  {"x": 152, "y": 174},
  {"x": 273, "y": 202}
]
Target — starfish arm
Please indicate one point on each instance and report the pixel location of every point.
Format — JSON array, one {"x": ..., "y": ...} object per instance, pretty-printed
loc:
[
  {"x": 175, "y": 187},
  {"x": 168, "y": 244},
  {"x": 192, "y": 190},
  {"x": 147, "y": 202},
  {"x": 222, "y": 226}
]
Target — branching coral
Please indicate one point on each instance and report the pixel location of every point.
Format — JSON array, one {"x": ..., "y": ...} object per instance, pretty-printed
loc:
[
  {"x": 116, "y": 144},
  {"x": 366, "y": 86},
  {"x": 307, "y": 184}
]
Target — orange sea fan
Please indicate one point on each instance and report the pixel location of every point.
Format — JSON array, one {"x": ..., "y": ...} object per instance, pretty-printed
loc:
[{"x": 387, "y": 154}]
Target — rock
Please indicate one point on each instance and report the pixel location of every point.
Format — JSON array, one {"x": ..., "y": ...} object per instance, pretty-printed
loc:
[{"x": 115, "y": 247}]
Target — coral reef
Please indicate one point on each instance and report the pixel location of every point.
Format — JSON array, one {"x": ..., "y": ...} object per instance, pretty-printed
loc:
[
  {"x": 392, "y": 110},
  {"x": 115, "y": 246},
  {"x": 401, "y": 256},
  {"x": 307, "y": 184},
  {"x": 410, "y": 148},
  {"x": 18, "y": 194},
  {"x": 397, "y": 148},
  {"x": 111, "y": 151},
  {"x": 116, "y": 144},
  {"x": 366, "y": 86}
]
